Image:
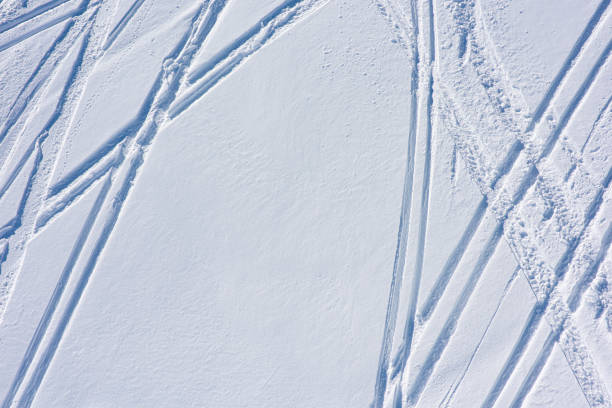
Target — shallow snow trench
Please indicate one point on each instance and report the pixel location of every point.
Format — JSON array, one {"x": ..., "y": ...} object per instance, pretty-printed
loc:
[{"x": 305, "y": 203}]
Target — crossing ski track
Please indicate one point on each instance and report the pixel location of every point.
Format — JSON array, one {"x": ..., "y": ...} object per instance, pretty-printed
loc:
[
  {"x": 182, "y": 81},
  {"x": 117, "y": 162},
  {"x": 601, "y": 399}
]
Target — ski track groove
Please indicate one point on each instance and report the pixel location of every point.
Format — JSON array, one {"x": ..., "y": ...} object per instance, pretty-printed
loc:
[
  {"x": 89, "y": 179},
  {"x": 426, "y": 71},
  {"x": 568, "y": 63},
  {"x": 578, "y": 97},
  {"x": 568, "y": 255},
  {"x": 40, "y": 139},
  {"x": 129, "y": 130},
  {"x": 122, "y": 23},
  {"x": 38, "y": 179},
  {"x": 222, "y": 64},
  {"x": 406, "y": 346},
  {"x": 402, "y": 235},
  {"x": 542, "y": 306},
  {"x": 27, "y": 16},
  {"x": 55, "y": 297},
  {"x": 45, "y": 68},
  {"x": 162, "y": 97},
  {"x": 450, "y": 393},
  {"x": 62, "y": 117},
  {"x": 270, "y": 27},
  {"x": 43, "y": 27},
  {"x": 516, "y": 149},
  {"x": 574, "y": 298},
  {"x": 17, "y": 170},
  {"x": 450, "y": 325},
  {"x": 602, "y": 112},
  {"x": 524, "y": 186}
]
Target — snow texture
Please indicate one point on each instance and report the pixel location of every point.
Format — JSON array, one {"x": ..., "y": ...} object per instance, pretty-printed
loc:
[{"x": 305, "y": 203}]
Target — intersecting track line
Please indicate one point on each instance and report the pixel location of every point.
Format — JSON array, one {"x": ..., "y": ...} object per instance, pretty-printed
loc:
[
  {"x": 450, "y": 325},
  {"x": 42, "y": 366},
  {"x": 506, "y": 166},
  {"x": 217, "y": 71},
  {"x": 528, "y": 181},
  {"x": 450, "y": 393},
  {"x": 574, "y": 298},
  {"x": 122, "y": 23},
  {"x": 45, "y": 26},
  {"x": 19, "y": 229},
  {"x": 154, "y": 118},
  {"x": 251, "y": 41},
  {"x": 41, "y": 138},
  {"x": 566, "y": 258},
  {"x": 57, "y": 204},
  {"x": 146, "y": 135},
  {"x": 587, "y": 278},
  {"x": 568, "y": 63},
  {"x": 30, "y": 15},
  {"x": 404, "y": 225},
  {"x": 539, "y": 309},
  {"x": 69, "y": 98},
  {"x": 600, "y": 116},
  {"x": 45, "y": 68},
  {"x": 55, "y": 297}
]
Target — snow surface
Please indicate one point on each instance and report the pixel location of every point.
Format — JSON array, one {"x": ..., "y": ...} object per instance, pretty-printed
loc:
[{"x": 305, "y": 203}]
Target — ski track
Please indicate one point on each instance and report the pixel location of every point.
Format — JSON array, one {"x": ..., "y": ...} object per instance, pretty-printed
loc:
[
  {"x": 538, "y": 311},
  {"x": 448, "y": 397},
  {"x": 27, "y": 16},
  {"x": 404, "y": 225},
  {"x": 116, "y": 165},
  {"x": 223, "y": 63},
  {"x": 525, "y": 185},
  {"x": 131, "y": 128},
  {"x": 132, "y": 144},
  {"x": 19, "y": 230},
  {"x": 63, "y": 115},
  {"x": 33, "y": 382},
  {"x": 563, "y": 316},
  {"x": 29, "y": 94},
  {"x": 122, "y": 23},
  {"x": 45, "y": 26},
  {"x": 511, "y": 158},
  {"x": 568, "y": 255}
]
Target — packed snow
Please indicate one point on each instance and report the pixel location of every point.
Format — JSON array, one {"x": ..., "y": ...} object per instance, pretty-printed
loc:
[{"x": 305, "y": 203}]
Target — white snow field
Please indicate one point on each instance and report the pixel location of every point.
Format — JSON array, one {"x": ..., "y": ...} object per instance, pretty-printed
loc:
[{"x": 305, "y": 203}]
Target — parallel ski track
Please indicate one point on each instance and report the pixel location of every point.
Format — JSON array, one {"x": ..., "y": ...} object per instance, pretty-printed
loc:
[
  {"x": 133, "y": 147},
  {"x": 29, "y": 15},
  {"x": 509, "y": 161},
  {"x": 382, "y": 375},
  {"x": 217, "y": 71},
  {"x": 525, "y": 185},
  {"x": 450, "y": 393},
  {"x": 122, "y": 23},
  {"x": 227, "y": 60},
  {"x": 30, "y": 91},
  {"x": 32, "y": 382},
  {"x": 573, "y": 301},
  {"x": 568, "y": 256},
  {"x": 43, "y": 27},
  {"x": 58, "y": 124}
]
